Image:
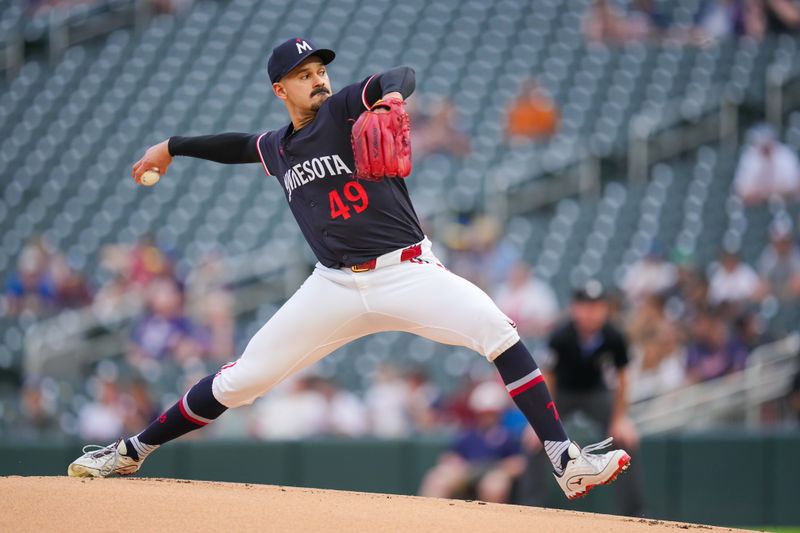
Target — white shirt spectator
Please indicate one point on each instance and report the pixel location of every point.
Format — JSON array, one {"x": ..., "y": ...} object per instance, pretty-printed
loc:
[
  {"x": 346, "y": 415},
  {"x": 528, "y": 301},
  {"x": 763, "y": 174},
  {"x": 295, "y": 415},
  {"x": 387, "y": 401},
  {"x": 100, "y": 421},
  {"x": 779, "y": 264},
  {"x": 734, "y": 283},
  {"x": 647, "y": 277},
  {"x": 667, "y": 375}
]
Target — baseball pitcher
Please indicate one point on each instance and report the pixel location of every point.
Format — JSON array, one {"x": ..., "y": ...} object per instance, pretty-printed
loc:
[{"x": 341, "y": 161}]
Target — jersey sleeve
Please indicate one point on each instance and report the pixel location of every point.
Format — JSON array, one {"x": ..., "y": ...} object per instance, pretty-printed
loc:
[
  {"x": 226, "y": 148},
  {"x": 267, "y": 151},
  {"x": 354, "y": 99}
]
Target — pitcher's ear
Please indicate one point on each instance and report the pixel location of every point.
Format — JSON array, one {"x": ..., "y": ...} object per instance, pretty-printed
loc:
[{"x": 279, "y": 90}]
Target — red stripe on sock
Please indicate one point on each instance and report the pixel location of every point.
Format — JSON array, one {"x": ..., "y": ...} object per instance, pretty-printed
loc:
[
  {"x": 525, "y": 386},
  {"x": 189, "y": 417}
]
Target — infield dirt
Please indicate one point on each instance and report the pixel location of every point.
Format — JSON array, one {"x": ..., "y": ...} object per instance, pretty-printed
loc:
[{"x": 154, "y": 504}]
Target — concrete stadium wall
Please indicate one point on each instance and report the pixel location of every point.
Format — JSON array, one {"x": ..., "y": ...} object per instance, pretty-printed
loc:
[{"x": 719, "y": 478}]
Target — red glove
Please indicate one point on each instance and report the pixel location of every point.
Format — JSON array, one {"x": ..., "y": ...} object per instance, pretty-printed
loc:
[{"x": 381, "y": 144}]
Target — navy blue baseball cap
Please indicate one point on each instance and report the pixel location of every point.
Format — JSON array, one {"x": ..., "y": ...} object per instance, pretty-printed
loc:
[{"x": 291, "y": 53}]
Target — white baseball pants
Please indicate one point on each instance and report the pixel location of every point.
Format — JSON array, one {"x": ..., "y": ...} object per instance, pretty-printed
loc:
[{"x": 336, "y": 306}]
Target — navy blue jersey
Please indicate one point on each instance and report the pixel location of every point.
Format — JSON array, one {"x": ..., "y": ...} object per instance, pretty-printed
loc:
[{"x": 345, "y": 221}]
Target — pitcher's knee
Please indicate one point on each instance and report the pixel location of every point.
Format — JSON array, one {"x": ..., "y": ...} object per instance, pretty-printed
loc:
[
  {"x": 235, "y": 386},
  {"x": 506, "y": 338},
  {"x": 497, "y": 333}
]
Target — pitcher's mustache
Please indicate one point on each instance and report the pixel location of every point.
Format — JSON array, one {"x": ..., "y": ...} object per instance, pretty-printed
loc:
[{"x": 320, "y": 90}]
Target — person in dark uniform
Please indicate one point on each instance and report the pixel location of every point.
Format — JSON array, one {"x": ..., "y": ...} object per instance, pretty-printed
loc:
[{"x": 582, "y": 352}]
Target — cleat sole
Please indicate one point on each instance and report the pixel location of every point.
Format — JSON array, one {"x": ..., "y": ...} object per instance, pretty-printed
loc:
[
  {"x": 75, "y": 470},
  {"x": 623, "y": 464}
]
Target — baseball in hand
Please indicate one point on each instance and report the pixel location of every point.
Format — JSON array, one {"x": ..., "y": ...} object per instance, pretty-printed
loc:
[{"x": 149, "y": 178}]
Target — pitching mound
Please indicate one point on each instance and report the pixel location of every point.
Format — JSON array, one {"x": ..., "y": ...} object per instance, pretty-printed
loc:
[{"x": 152, "y": 504}]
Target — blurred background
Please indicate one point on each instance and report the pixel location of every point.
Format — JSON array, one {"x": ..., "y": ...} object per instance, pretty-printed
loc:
[{"x": 650, "y": 145}]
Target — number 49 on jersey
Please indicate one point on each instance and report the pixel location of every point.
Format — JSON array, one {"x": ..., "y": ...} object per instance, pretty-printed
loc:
[{"x": 356, "y": 199}]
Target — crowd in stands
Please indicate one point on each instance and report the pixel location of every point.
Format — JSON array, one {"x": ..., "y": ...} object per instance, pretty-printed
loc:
[
  {"x": 40, "y": 8},
  {"x": 644, "y": 20},
  {"x": 44, "y": 283},
  {"x": 685, "y": 324}
]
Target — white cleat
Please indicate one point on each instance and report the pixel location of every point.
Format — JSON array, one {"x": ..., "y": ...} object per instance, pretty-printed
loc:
[
  {"x": 587, "y": 470},
  {"x": 103, "y": 461}
]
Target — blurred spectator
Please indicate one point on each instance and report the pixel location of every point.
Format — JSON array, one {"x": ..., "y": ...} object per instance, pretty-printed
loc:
[
  {"x": 387, "y": 402},
  {"x": 102, "y": 419},
  {"x": 140, "y": 409},
  {"x": 38, "y": 416},
  {"x": 148, "y": 262},
  {"x": 438, "y": 133},
  {"x": 110, "y": 300},
  {"x": 294, "y": 410},
  {"x": 647, "y": 21},
  {"x": 345, "y": 413},
  {"x": 767, "y": 168},
  {"x": 212, "y": 304},
  {"x": 455, "y": 407},
  {"x": 648, "y": 276},
  {"x": 718, "y": 19},
  {"x": 478, "y": 253},
  {"x": 691, "y": 289},
  {"x": 657, "y": 365},
  {"x": 779, "y": 264},
  {"x": 163, "y": 330},
  {"x": 604, "y": 22},
  {"x": 171, "y": 6},
  {"x": 423, "y": 397},
  {"x": 712, "y": 351},
  {"x": 748, "y": 329},
  {"x": 309, "y": 406},
  {"x": 70, "y": 290},
  {"x": 528, "y": 301},
  {"x": 216, "y": 316},
  {"x": 44, "y": 282},
  {"x": 732, "y": 281},
  {"x": 781, "y": 16},
  {"x": 532, "y": 115},
  {"x": 208, "y": 276},
  {"x": 30, "y": 288},
  {"x": 485, "y": 458}
]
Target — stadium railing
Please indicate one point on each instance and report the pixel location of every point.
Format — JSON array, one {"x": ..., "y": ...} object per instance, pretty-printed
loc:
[
  {"x": 734, "y": 398},
  {"x": 64, "y": 26},
  {"x": 61, "y": 344}
]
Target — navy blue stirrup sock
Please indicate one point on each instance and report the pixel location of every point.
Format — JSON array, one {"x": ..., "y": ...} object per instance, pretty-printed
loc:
[
  {"x": 197, "y": 408},
  {"x": 527, "y": 388}
]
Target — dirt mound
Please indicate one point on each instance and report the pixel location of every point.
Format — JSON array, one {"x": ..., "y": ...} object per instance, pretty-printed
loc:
[{"x": 152, "y": 504}]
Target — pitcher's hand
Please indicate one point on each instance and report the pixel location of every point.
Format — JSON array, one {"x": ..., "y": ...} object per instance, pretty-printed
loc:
[{"x": 157, "y": 158}]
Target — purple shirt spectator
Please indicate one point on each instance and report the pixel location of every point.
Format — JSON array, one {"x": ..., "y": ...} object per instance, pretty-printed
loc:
[
  {"x": 158, "y": 336},
  {"x": 484, "y": 446},
  {"x": 713, "y": 352}
]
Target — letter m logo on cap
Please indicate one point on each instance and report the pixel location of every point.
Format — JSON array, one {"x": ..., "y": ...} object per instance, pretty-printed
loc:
[{"x": 301, "y": 46}]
